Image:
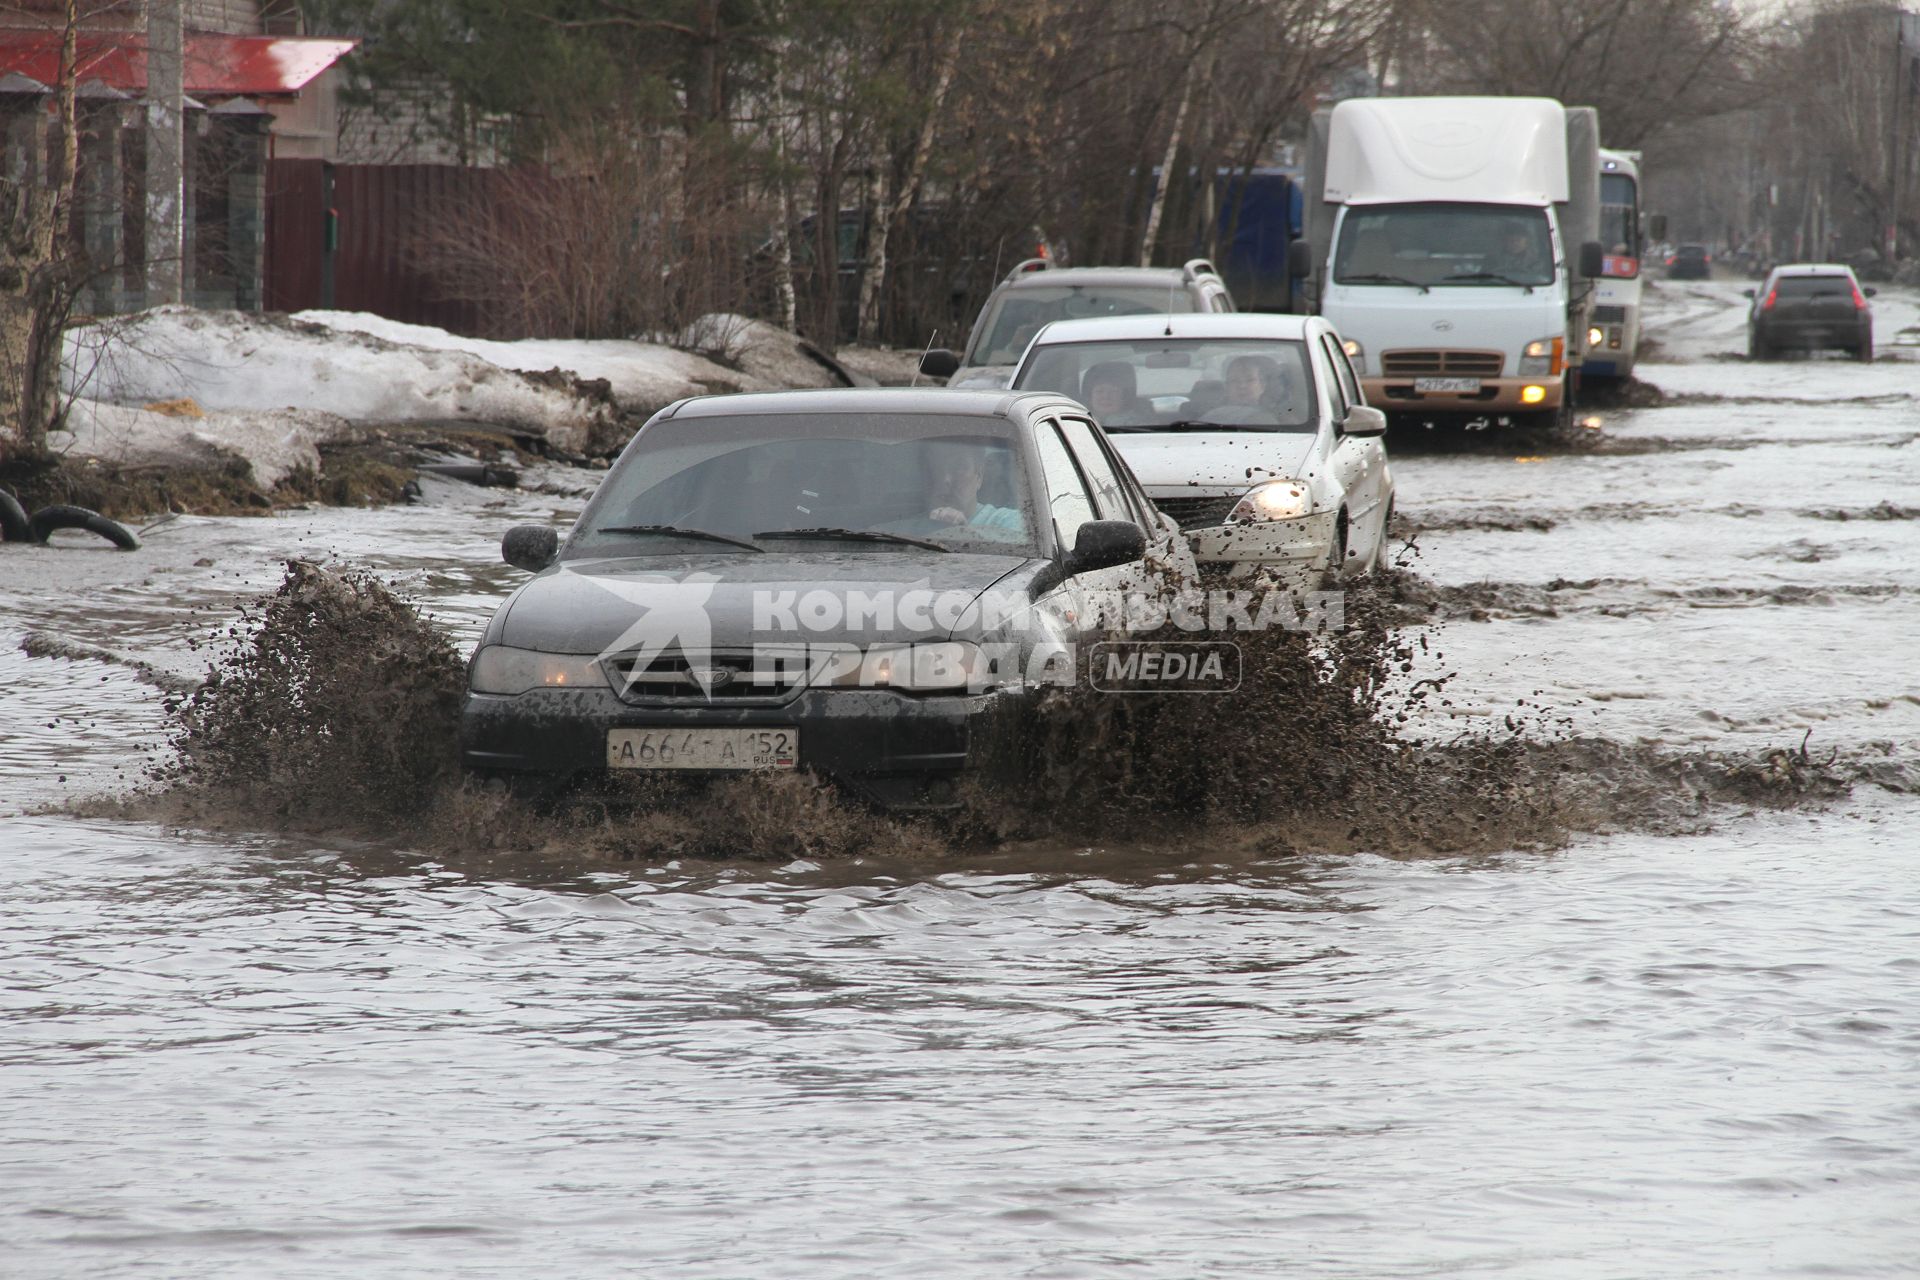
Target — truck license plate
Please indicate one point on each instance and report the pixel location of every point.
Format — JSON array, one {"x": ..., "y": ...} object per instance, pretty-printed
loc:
[
  {"x": 703, "y": 748},
  {"x": 1463, "y": 386}
]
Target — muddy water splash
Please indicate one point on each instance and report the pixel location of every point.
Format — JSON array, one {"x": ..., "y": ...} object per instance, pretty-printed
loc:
[{"x": 335, "y": 709}]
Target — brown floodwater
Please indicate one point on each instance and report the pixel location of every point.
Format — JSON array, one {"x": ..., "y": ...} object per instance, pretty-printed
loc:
[{"x": 1679, "y": 1040}]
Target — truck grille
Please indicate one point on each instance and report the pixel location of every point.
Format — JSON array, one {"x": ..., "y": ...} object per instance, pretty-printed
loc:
[
  {"x": 733, "y": 677},
  {"x": 1609, "y": 315},
  {"x": 1197, "y": 513},
  {"x": 1461, "y": 364}
]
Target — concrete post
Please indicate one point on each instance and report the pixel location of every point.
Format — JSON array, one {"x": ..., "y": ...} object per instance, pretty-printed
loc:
[{"x": 166, "y": 179}]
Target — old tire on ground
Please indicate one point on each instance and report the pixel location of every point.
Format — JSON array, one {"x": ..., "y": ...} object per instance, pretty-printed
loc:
[
  {"x": 47, "y": 519},
  {"x": 14, "y": 525}
]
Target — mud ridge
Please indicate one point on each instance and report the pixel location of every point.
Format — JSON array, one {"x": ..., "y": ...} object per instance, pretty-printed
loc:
[{"x": 335, "y": 706}]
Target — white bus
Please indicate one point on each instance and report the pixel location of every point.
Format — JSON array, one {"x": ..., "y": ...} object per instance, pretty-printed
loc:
[{"x": 1613, "y": 332}]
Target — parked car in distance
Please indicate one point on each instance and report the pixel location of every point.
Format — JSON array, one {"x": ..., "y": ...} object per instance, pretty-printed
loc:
[
  {"x": 1809, "y": 306},
  {"x": 855, "y": 582},
  {"x": 1690, "y": 262},
  {"x": 1249, "y": 430},
  {"x": 1035, "y": 294}
]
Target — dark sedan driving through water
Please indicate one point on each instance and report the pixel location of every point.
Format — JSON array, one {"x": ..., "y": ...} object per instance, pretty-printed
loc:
[{"x": 870, "y": 584}]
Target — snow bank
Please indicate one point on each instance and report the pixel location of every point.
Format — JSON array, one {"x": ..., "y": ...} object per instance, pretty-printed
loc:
[
  {"x": 274, "y": 443},
  {"x": 245, "y": 363}
]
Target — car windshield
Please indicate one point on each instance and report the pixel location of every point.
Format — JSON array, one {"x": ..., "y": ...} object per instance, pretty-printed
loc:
[
  {"x": 1180, "y": 383},
  {"x": 1022, "y": 312},
  {"x": 955, "y": 481},
  {"x": 1450, "y": 245}
]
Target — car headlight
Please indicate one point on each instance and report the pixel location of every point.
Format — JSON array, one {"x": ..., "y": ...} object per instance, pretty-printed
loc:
[
  {"x": 1356, "y": 353},
  {"x": 499, "y": 668},
  {"x": 1542, "y": 357},
  {"x": 1274, "y": 500},
  {"x": 939, "y": 667}
]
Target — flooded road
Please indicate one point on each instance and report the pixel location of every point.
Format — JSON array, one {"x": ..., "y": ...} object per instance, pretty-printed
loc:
[{"x": 1645, "y": 1055}]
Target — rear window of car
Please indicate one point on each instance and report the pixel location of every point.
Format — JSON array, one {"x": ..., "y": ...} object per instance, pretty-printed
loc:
[{"x": 1813, "y": 286}]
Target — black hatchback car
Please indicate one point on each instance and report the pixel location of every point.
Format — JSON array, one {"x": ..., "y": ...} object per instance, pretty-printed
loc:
[
  {"x": 1809, "y": 307},
  {"x": 871, "y": 584},
  {"x": 1690, "y": 262}
]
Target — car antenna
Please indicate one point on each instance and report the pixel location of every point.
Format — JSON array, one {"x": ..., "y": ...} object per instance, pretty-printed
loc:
[
  {"x": 931, "y": 339},
  {"x": 1171, "y": 286}
]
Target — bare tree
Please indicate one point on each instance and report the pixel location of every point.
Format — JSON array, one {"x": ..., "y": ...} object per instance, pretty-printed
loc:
[{"x": 40, "y": 269}]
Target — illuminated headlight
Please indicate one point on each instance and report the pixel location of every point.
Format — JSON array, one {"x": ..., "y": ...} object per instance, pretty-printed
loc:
[
  {"x": 497, "y": 668},
  {"x": 1532, "y": 395},
  {"x": 1274, "y": 500},
  {"x": 939, "y": 667},
  {"x": 1356, "y": 353},
  {"x": 1542, "y": 357},
  {"x": 1596, "y": 336}
]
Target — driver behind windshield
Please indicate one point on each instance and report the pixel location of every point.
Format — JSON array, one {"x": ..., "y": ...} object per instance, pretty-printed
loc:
[
  {"x": 954, "y": 472},
  {"x": 1255, "y": 390}
]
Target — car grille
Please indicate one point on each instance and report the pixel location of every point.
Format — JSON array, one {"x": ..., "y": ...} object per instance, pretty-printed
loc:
[
  {"x": 735, "y": 677},
  {"x": 1196, "y": 513},
  {"x": 1465, "y": 364}
]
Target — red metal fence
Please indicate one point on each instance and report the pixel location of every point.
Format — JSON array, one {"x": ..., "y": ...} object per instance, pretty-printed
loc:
[{"x": 382, "y": 217}]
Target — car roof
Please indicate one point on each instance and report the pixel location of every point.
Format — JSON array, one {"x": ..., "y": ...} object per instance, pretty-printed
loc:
[
  {"x": 1181, "y": 324},
  {"x": 1813, "y": 269},
  {"x": 1119, "y": 277},
  {"x": 995, "y": 403}
]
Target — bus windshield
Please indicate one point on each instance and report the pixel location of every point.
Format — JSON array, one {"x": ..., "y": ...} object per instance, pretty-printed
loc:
[{"x": 1451, "y": 245}]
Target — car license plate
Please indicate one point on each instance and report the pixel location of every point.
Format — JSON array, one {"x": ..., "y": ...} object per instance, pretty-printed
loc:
[
  {"x": 1464, "y": 386},
  {"x": 703, "y": 748}
]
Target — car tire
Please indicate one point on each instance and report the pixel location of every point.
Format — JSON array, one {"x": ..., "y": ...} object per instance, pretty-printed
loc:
[
  {"x": 1864, "y": 353},
  {"x": 1758, "y": 350},
  {"x": 1335, "y": 570}
]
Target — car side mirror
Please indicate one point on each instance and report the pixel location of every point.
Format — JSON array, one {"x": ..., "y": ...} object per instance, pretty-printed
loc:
[
  {"x": 1593, "y": 260},
  {"x": 939, "y": 363},
  {"x": 1299, "y": 259},
  {"x": 1868, "y": 292},
  {"x": 1363, "y": 420},
  {"x": 530, "y": 546},
  {"x": 1102, "y": 544}
]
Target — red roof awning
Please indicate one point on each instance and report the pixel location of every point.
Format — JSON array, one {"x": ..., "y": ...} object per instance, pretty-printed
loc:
[{"x": 213, "y": 65}]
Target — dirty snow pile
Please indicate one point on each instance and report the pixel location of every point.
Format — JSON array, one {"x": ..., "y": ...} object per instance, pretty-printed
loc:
[{"x": 182, "y": 385}]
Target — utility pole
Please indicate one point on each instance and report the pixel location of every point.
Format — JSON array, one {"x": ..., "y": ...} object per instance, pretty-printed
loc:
[{"x": 166, "y": 186}]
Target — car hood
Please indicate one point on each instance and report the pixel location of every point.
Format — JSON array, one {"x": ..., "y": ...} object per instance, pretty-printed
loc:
[
  {"x": 697, "y": 602},
  {"x": 1171, "y": 464}
]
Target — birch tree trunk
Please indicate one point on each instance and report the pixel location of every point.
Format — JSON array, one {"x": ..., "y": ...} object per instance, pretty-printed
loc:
[
  {"x": 886, "y": 219},
  {"x": 1159, "y": 205}
]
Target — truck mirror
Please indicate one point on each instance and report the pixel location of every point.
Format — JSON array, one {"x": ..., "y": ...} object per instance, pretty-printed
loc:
[
  {"x": 1592, "y": 260},
  {"x": 939, "y": 363},
  {"x": 1299, "y": 259}
]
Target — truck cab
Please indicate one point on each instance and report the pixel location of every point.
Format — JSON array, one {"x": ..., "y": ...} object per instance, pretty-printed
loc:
[{"x": 1453, "y": 244}]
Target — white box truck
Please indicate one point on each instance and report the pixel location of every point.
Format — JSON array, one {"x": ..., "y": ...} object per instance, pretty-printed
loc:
[{"x": 1453, "y": 243}]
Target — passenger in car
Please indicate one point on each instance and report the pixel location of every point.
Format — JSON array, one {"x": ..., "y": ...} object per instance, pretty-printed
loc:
[{"x": 1110, "y": 391}]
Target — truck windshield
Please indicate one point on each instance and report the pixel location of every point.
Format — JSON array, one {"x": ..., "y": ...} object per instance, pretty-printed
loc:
[{"x": 1451, "y": 245}]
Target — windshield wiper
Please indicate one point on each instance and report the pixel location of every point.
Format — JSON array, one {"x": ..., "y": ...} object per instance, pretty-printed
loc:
[
  {"x": 675, "y": 531},
  {"x": 1494, "y": 276},
  {"x": 1375, "y": 277},
  {"x": 1196, "y": 424},
  {"x": 853, "y": 535}
]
